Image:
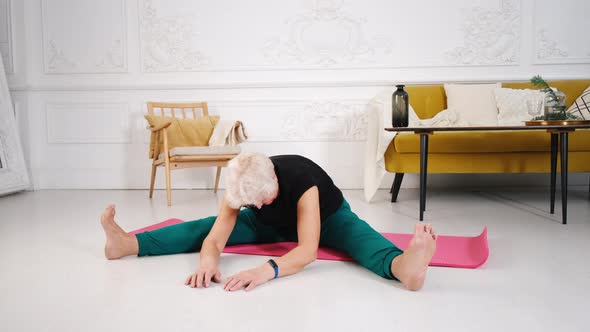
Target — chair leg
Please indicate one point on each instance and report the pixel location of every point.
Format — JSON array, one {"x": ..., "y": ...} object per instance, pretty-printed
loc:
[
  {"x": 167, "y": 164},
  {"x": 153, "y": 180},
  {"x": 168, "y": 192},
  {"x": 217, "y": 179},
  {"x": 396, "y": 185}
]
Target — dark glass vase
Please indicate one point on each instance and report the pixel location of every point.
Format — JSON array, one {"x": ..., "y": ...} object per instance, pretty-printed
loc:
[{"x": 399, "y": 107}]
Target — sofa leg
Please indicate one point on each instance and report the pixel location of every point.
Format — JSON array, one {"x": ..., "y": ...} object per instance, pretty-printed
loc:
[{"x": 397, "y": 182}]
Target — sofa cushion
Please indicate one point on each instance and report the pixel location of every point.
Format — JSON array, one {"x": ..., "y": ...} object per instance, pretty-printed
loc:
[
  {"x": 474, "y": 103},
  {"x": 428, "y": 100},
  {"x": 581, "y": 106},
  {"x": 513, "y": 105},
  {"x": 571, "y": 88},
  {"x": 489, "y": 141},
  {"x": 182, "y": 132}
]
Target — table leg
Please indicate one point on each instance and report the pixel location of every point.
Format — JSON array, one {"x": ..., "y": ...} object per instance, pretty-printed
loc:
[
  {"x": 563, "y": 155},
  {"x": 423, "y": 172},
  {"x": 553, "y": 169}
]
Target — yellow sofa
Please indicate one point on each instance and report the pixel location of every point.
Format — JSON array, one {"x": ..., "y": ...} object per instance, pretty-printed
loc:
[{"x": 483, "y": 151}]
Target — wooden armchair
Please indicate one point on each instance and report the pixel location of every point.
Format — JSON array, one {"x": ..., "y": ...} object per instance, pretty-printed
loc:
[{"x": 184, "y": 156}]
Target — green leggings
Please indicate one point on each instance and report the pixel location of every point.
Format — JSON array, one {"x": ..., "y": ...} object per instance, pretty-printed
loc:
[{"x": 343, "y": 230}]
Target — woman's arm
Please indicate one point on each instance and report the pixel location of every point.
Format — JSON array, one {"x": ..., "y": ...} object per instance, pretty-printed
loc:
[
  {"x": 308, "y": 234},
  {"x": 213, "y": 246},
  {"x": 217, "y": 238}
]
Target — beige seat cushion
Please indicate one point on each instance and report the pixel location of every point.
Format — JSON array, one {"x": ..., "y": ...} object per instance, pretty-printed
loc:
[{"x": 203, "y": 151}]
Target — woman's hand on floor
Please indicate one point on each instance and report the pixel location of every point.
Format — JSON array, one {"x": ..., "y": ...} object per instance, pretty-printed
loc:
[
  {"x": 249, "y": 278},
  {"x": 203, "y": 277}
]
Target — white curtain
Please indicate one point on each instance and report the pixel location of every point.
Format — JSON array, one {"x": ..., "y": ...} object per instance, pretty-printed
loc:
[{"x": 13, "y": 172}]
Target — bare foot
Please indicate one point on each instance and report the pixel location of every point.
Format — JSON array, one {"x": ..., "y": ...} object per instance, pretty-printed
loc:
[
  {"x": 410, "y": 267},
  {"x": 119, "y": 243}
]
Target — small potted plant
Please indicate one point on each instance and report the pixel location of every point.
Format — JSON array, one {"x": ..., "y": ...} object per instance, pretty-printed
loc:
[{"x": 554, "y": 102}]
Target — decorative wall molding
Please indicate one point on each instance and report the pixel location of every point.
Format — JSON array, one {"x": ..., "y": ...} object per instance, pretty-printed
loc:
[
  {"x": 57, "y": 61},
  {"x": 85, "y": 50},
  {"x": 326, "y": 121},
  {"x": 326, "y": 36},
  {"x": 277, "y": 84},
  {"x": 548, "y": 49},
  {"x": 72, "y": 123},
  {"x": 302, "y": 120},
  {"x": 114, "y": 58},
  {"x": 166, "y": 42},
  {"x": 6, "y": 36},
  {"x": 491, "y": 36},
  {"x": 333, "y": 35},
  {"x": 559, "y": 33}
]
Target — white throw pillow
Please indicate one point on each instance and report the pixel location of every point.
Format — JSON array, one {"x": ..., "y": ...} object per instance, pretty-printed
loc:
[
  {"x": 581, "y": 107},
  {"x": 475, "y": 103},
  {"x": 513, "y": 105}
]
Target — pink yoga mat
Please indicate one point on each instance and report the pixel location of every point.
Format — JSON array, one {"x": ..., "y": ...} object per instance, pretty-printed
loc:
[{"x": 451, "y": 251}]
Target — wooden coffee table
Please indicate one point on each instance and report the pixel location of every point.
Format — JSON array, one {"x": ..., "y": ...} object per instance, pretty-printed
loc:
[{"x": 559, "y": 136}]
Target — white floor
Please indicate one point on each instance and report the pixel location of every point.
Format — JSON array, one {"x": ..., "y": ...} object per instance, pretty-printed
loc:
[{"x": 53, "y": 276}]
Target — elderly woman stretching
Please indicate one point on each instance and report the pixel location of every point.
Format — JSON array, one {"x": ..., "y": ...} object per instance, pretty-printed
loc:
[{"x": 285, "y": 198}]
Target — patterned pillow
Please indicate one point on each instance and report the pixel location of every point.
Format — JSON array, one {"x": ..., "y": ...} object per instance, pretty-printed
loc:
[
  {"x": 513, "y": 105},
  {"x": 581, "y": 107}
]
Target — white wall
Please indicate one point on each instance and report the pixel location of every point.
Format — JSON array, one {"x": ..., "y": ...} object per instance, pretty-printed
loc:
[{"x": 298, "y": 72}]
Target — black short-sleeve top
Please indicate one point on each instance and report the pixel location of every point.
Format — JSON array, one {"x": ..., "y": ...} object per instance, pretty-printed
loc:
[{"x": 297, "y": 174}]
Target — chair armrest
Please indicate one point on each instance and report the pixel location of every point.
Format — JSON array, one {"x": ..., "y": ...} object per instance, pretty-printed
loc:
[{"x": 160, "y": 127}]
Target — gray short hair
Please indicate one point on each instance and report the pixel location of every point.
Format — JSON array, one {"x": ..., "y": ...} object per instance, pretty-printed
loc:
[{"x": 251, "y": 178}]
